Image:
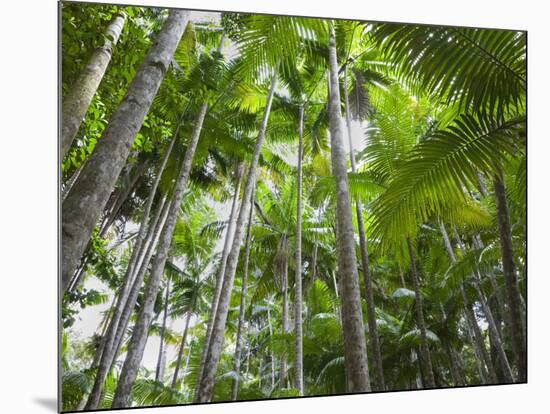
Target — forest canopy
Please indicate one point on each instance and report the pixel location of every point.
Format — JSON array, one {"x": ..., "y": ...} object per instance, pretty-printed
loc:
[{"x": 259, "y": 206}]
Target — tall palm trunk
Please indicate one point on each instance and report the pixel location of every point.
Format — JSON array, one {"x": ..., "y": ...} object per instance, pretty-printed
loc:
[
  {"x": 77, "y": 101},
  {"x": 492, "y": 326},
  {"x": 125, "y": 296},
  {"x": 298, "y": 334},
  {"x": 419, "y": 306},
  {"x": 479, "y": 342},
  {"x": 283, "y": 269},
  {"x": 499, "y": 297},
  {"x": 139, "y": 337},
  {"x": 83, "y": 205},
  {"x": 143, "y": 265},
  {"x": 242, "y": 308},
  {"x": 180, "y": 350},
  {"x": 470, "y": 315},
  {"x": 206, "y": 382},
  {"x": 272, "y": 357},
  {"x": 369, "y": 297},
  {"x": 511, "y": 281},
  {"x": 480, "y": 361},
  {"x": 457, "y": 367},
  {"x": 221, "y": 270},
  {"x": 355, "y": 350},
  {"x": 159, "y": 373}
]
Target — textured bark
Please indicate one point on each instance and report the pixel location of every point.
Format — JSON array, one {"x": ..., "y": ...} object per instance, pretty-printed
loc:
[
  {"x": 369, "y": 297},
  {"x": 517, "y": 324},
  {"x": 139, "y": 337},
  {"x": 419, "y": 306},
  {"x": 85, "y": 202},
  {"x": 69, "y": 183},
  {"x": 159, "y": 373},
  {"x": 206, "y": 383},
  {"x": 298, "y": 334},
  {"x": 355, "y": 350},
  {"x": 221, "y": 271},
  {"x": 77, "y": 101},
  {"x": 180, "y": 350},
  {"x": 242, "y": 308}
]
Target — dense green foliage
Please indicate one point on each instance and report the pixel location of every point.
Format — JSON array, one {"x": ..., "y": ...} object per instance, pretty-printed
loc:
[{"x": 438, "y": 121}]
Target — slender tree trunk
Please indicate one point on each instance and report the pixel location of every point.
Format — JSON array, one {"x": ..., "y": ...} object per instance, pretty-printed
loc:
[
  {"x": 419, "y": 306},
  {"x": 180, "y": 351},
  {"x": 369, "y": 297},
  {"x": 206, "y": 383},
  {"x": 478, "y": 244},
  {"x": 77, "y": 101},
  {"x": 481, "y": 368},
  {"x": 186, "y": 367},
  {"x": 492, "y": 326},
  {"x": 110, "y": 347},
  {"x": 139, "y": 338},
  {"x": 83, "y": 205},
  {"x": 159, "y": 374},
  {"x": 143, "y": 265},
  {"x": 118, "y": 196},
  {"x": 242, "y": 308},
  {"x": 493, "y": 332},
  {"x": 270, "y": 328},
  {"x": 126, "y": 296},
  {"x": 355, "y": 350},
  {"x": 248, "y": 349},
  {"x": 478, "y": 338},
  {"x": 125, "y": 183},
  {"x": 298, "y": 334},
  {"x": 284, "y": 314},
  {"x": 122, "y": 195},
  {"x": 451, "y": 354},
  {"x": 221, "y": 272},
  {"x": 110, "y": 342},
  {"x": 516, "y": 328},
  {"x": 481, "y": 349},
  {"x": 402, "y": 278}
]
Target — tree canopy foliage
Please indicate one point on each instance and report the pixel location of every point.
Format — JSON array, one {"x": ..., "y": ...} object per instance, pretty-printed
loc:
[{"x": 236, "y": 165}]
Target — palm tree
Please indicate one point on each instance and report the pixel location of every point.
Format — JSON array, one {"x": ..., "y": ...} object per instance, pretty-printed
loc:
[
  {"x": 262, "y": 135},
  {"x": 98, "y": 176},
  {"x": 357, "y": 374},
  {"x": 206, "y": 383},
  {"x": 77, "y": 101},
  {"x": 242, "y": 306}
]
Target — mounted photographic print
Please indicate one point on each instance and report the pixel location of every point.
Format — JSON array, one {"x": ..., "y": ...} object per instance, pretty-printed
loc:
[{"x": 270, "y": 206}]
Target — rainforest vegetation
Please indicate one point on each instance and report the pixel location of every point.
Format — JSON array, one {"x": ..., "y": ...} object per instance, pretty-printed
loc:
[{"x": 260, "y": 206}]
